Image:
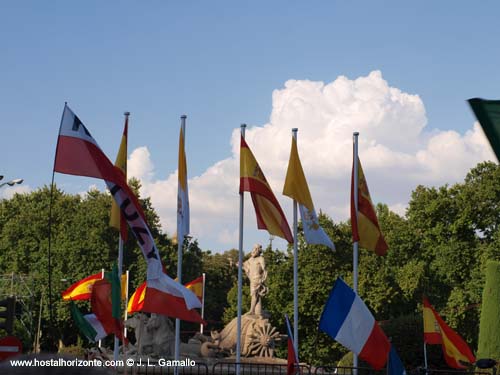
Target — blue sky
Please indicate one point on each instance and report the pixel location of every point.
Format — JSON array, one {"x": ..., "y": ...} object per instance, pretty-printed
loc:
[{"x": 219, "y": 62}]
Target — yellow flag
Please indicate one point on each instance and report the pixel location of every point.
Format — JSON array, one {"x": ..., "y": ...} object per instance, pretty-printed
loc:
[
  {"x": 297, "y": 189},
  {"x": 121, "y": 162}
]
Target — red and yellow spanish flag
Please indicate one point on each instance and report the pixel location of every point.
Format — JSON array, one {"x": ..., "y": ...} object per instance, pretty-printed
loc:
[
  {"x": 82, "y": 289},
  {"x": 117, "y": 220},
  {"x": 365, "y": 228},
  {"x": 455, "y": 350},
  {"x": 196, "y": 287},
  {"x": 269, "y": 214},
  {"x": 136, "y": 301}
]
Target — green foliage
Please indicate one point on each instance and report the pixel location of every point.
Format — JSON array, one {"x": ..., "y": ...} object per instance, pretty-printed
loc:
[
  {"x": 221, "y": 274},
  {"x": 489, "y": 329},
  {"x": 440, "y": 247}
]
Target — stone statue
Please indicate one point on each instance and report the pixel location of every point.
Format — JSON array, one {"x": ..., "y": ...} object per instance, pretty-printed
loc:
[
  {"x": 138, "y": 323},
  {"x": 162, "y": 331},
  {"x": 255, "y": 268},
  {"x": 154, "y": 335}
]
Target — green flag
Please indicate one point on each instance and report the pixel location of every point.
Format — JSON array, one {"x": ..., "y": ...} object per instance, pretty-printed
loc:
[
  {"x": 116, "y": 292},
  {"x": 488, "y": 114}
]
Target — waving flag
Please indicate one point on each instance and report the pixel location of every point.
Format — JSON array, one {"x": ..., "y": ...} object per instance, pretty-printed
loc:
[
  {"x": 297, "y": 189},
  {"x": 164, "y": 303},
  {"x": 136, "y": 301},
  {"x": 78, "y": 154},
  {"x": 269, "y": 214},
  {"x": 457, "y": 353},
  {"x": 106, "y": 303},
  {"x": 117, "y": 220},
  {"x": 82, "y": 289},
  {"x": 365, "y": 228},
  {"x": 182, "y": 193},
  {"x": 347, "y": 320},
  {"x": 488, "y": 114},
  {"x": 89, "y": 325},
  {"x": 196, "y": 286}
]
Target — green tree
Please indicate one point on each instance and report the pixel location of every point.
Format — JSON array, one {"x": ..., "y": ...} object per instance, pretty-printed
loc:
[{"x": 489, "y": 330}]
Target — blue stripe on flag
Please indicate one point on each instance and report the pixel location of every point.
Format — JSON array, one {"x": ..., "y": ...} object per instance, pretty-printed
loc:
[{"x": 337, "y": 308}]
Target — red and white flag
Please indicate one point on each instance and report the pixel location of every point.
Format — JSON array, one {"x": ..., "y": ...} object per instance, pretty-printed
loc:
[{"x": 79, "y": 154}]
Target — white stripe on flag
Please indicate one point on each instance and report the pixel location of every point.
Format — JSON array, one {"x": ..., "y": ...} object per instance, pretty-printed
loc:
[
  {"x": 357, "y": 326},
  {"x": 96, "y": 324}
]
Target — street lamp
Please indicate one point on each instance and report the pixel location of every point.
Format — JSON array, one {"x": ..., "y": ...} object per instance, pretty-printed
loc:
[{"x": 12, "y": 182}]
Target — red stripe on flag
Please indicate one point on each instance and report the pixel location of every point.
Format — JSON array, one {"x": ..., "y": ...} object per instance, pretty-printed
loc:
[
  {"x": 376, "y": 349},
  {"x": 66, "y": 295},
  {"x": 81, "y": 158}
]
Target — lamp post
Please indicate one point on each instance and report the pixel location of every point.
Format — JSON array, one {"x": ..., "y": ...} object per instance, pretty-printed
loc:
[{"x": 12, "y": 182}]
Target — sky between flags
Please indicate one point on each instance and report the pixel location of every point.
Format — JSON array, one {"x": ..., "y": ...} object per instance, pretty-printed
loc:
[{"x": 219, "y": 64}]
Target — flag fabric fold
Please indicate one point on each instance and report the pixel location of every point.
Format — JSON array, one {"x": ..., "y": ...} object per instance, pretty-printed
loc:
[
  {"x": 347, "y": 320},
  {"x": 182, "y": 193},
  {"x": 488, "y": 114},
  {"x": 296, "y": 188},
  {"x": 457, "y": 353},
  {"x": 117, "y": 220},
  {"x": 293, "y": 364},
  {"x": 269, "y": 214},
  {"x": 365, "y": 228},
  {"x": 78, "y": 154},
  {"x": 82, "y": 289}
]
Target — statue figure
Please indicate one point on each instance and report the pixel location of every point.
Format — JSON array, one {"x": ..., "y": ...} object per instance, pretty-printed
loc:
[
  {"x": 154, "y": 335},
  {"x": 142, "y": 338},
  {"x": 255, "y": 269},
  {"x": 161, "y": 329}
]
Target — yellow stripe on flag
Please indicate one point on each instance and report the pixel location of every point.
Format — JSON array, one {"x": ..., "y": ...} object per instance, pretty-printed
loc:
[
  {"x": 269, "y": 214},
  {"x": 295, "y": 181}
]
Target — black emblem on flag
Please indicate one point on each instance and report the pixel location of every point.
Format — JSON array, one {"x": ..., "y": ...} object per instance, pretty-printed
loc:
[{"x": 76, "y": 126}]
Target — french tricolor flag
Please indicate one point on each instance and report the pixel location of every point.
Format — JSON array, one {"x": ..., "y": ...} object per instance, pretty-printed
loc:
[{"x": 347, "y": 320}]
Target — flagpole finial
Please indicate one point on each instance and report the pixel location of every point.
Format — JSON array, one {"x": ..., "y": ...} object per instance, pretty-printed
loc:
[
  {"x": 295, "y": 130},
  {"x": 243, "y": 126},
  {"x": 355, "y": 134},
  {"x": 126, "y": 113},
  {"x": 184, "y": 117}
]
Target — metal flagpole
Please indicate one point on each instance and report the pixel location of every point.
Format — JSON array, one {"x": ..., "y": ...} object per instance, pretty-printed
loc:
[
  {"x": 355, "y": 248},
  {"x": 425, "y": 356},
  {"x": 295, "y": 271},
  {"x": 102, "y": 277},
  {"x": 180, "y": 244},
  {"x": 240, "y": 276},
  {"x": 126, "y": 304},
  {"x": 202, "y": 303},
  {"x": 49, "y": 229},
  {"x": 120, "y": 266}
]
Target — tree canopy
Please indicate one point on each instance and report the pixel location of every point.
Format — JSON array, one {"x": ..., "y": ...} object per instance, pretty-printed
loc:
[{"x": 439, "y": 248}]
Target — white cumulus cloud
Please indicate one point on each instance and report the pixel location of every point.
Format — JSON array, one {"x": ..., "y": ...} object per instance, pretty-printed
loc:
[{"x": 396, "y": 149}]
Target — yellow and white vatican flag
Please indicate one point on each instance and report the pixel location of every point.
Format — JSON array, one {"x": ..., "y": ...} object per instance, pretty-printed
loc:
[{"x": 297, "y": 189}]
